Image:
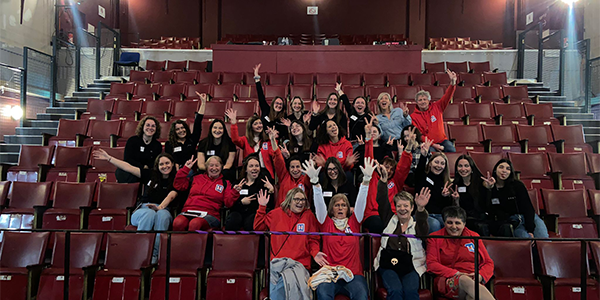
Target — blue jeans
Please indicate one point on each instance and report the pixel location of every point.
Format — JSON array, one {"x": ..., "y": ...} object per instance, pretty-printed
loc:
[
  {"x": 405, "y": 288},
  {"x": 540, "y": 231},
  {"x": 448, "y": 146},
  {"x": 355, "y": 289},
  {"x": 436, "y": 222},
  {"x": 148, "y": 219},
  {"x": 277, "y": 291}
]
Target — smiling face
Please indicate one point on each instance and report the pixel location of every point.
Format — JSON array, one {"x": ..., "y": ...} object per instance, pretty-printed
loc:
[
  {"x": 503, "y": 171},
  {"x": 295, "y": 169},
  {"x": 165, "y": 165},
  {"x": 340, "y": 209},
  {"x": 278, "y": 104},
  {"x": 359, "y": 105},
  {"x": 403, "y": 210},
  {"x": 149, "y": 128},
  {"x": 217, "y": 130},
  {"x": 332, "y": 171},
  {"x": 463, "y": 168},
  {"x": 332, "y": 129},
  {"x": 298, "y": 203},
  {"x": 180, "y": 131},
  {"x": 374, "y": 133},
  {"x": 296, "y": 129},
  {"x": 253, "y": 169},
  {"x": 437, "y": 165},
  {"x": 390, "y": 169},
  {"x": 332, "y": 101},
  {"x": 257, "y": 126},
  {"x": 297, "y": 105},
  {"x": 213, "y": 168},
  {"x": 454, "y": 226},
  {"x": 422, "y": 102},
  {"x": 384, "y": 102}
]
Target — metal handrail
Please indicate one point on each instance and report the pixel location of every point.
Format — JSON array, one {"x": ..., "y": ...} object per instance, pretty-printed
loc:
[
  {"x": 521, "y": 51},
  {"x": 116, "y": 47},
  {"x": 52, "y": 72},
  {"x": 23, "y": 90}
]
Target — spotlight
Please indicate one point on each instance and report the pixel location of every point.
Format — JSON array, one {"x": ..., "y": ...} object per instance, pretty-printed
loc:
[
  {"x": 16, "y": 112},
  {"x": 569, "y": 2}
]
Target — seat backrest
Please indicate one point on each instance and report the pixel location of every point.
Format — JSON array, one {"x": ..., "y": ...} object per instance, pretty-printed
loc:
[
  {"x": 435, "y": 67},
  {"x": 84, "y": 252},
  {"x": 442, "y": 78},
  {"x": 173, "y": 90},
  {"x": 512, "y": 259},
  {"x": 32, "y": 156},
  {"x": 200, "y": 88},
  {"x": 454, "y": 111},
  {"x": 594, "y": 197},
  {"x": 332, "y": 78},
  {"x": 570, "y": 164},
  {"x": 127, "y": 107},
  {"x": 272, "y": 91},
  {"x": 540, "y": 111},
  {"x": 571, "y": 134},
  {"x": 104, "y": 165},
  {"x": 303, "y": 91},
  {"x": 156, "y": 65},
  {"x": 421, "y": 79},
  {"x": 465, "y": 134},
  {"x": 537, "y": 135},
  {"x": 20, "y": 249},
  {"x": 226, "y": 256},
  {"x": 495, "y": 78},
  {"x": 457, "y": 66},
  {"x": 185, "y": 77},
  {"x": 216, "y": 109},
  {"x": 154, "y": 108},
  {"x": 560, "y": 259},
  {"x": 128, "y": 127},
  {"x": 436, "y": 92},
  {"x": 374, "y": 91},
  {"x": 162, "y": 77},
  {"x": 503, "y": 134},
  {"x": 509, "y": 111},
  {"x": 479, "y": 110},
  {"x": 185, "y": 108},
  {"x": 348, "y": 79},
  {"x": 197, "y": 65},
  {"x": 565, "y": 203},
  {"x": 377, "y": 79},
  {"x": 485, "y": 161},
  {"x": 117, "y": 195},
  {"x": 71, "y": 157},
  {"x": 535, "y": 200},
  {"x": 139, "y": 76},
  {"x": 403, "y": 93},
  {"x": 181, "y": 256},
  {"x": 595, "y": 246},
  {"x": 479, "y": 67},
  {"x": 176, "y": 65},
  {"x": 470, "y": 79},
  {"x": 99, "y": 129},
  {"x": 125, "y": 251},
  {"x": 490, "y": 93},
  {"x": 463, "y": 93},
  {"x": 121, "y": 88},
  {"x": 530, "y": 164},
  {"x": 593, "y": 162},
  {"x": 96, "y": 107},
  {"x": 208, "y": 77},
  {"x": 30, "y": 194},
  {"x": 279, "y": 78},
  {"x": 73, "y": 195},
  {"x": 398, "y": 78},
  {"x": 517, "y": 92},
  {"x": 224, "y": 91},
  {"x": 245, "y": 109},
  {"x": 303, "y": 78},
  {"x": 452, "y": 157},
  {"x": 4, "y": 188},
  {"x": 354, "y": 91},
  {"x": 232, "y": 77}
]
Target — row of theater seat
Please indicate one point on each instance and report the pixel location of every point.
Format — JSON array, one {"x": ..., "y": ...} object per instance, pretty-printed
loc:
[
  {"x": 347, "y": 79},
  {"x": 315, "y": 38},
  {"x": 399, "y": 93},
  {"x": 168, "y": 43},
  {"x": 235, "y": 274},
  {"x": 174, "y": 65}
]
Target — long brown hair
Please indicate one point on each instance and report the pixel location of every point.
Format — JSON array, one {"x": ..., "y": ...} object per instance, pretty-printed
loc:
[
  {"x": 274, "y": 115},
  {"x": 139, "y": 130},
  {"x": 446, "y": 172},
  {"x": 338, "y": 108},
  {"x": 173, "y": 134},
  {"x": 250, "y": 134},
  {"x": 306, "y": 140}
]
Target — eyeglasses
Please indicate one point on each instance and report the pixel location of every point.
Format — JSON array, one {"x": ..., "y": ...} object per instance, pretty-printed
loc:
[{"x": 299, "y": 199}]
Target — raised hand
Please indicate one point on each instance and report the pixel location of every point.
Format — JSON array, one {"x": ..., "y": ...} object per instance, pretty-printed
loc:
[
  {"x": 368, "y": 169},
  {"x": 232, "y": 115},
  {"x": 404, "y": 107},
  {"x": 100, "y": 154},
  {"x": 315, "y": 107},
  {"x": 238, "y": 187},
  {"x": 203, "y": 97},
  {"x": 284, "y": 151},
  {"x": 308, "y": 168},
  {"x": 268, "y": 184},
  {"x": 422, "y": 198},
  {"x": 456, "y": 196},
  {"x": 452, "y": 76},
  {"x": 360, "y": 140},
  {"x": 272, "y": 132},
  {"x": 321, "y": 259},
  {"x": 391, "y": 140},
  {"x": 488, "y": 181},
  {"x": 352, "y": 159},
  {"x": 338, "y": 88},
  {"x": 306, "y": 118},
  {"x": 438, "y": 147},
  {"x": 247, "y": 200},
  {"x": 368, "y": 127},
  {"x": 400, "y": 147},
  {"x": 425, "y": 146},
  {"x": 318, "y": 159},
  {"x": 286, "y": 122},
  {"x": 447, "y": 190},
  {"x": 191, "y": 162},
  {"x": 256, "y": 69},
  {"x": 383, "y": 175},
  {"x": 263, "y": 198}
]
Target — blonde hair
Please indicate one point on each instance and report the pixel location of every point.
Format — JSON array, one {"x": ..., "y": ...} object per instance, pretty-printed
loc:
[
  {"x": 381, "y": 95},
  {"x": 404, "y": 196},
  {"x": 332, "y": 202},
  {"x": 285, "y": 205}
]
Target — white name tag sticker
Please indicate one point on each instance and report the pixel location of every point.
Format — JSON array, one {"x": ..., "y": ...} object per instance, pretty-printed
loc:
[
  {"x": 327, "y": 194},
  {"x": 177, "y": 149},
  {"x": 210, "y": 152},
  {"x": 174, "y": 280},
  {"x": 5, "y": 277},
  {"x": 62, "y": 143},
  {"x": 107, "y": 219},
  {"x": 96, "y": 142},
  {"x": 60, "y": 278},
  {"x": 62, "y": 174},
  {"x": 576, "y": 290},
  {"x": 518, "y": 290},
  {"x": 118, "y": 279},
  {"x": 462, "y": 189},
  {"x": 92, "y": 118},
  {"x": 577, "y": 226},
  {"x": 541, "y": 148},
  {"x": 122, "y": 118},
  {"x": 577, "y": 149},
  {"x": 495, "y": 201},
  {"x": 547, "y": 123},
  {"x": 469, "y": 148},
  {"x": 22, "y": 173},
  {"x": 353, "y": 117},
  {"x": 450, "y": 122},
  {"x": 430, "y": 181},
  {"x": 244, "y": 192},
  {"x": 536, "y": 181},
  {"x": 61, "y": 218},
  {"x": 515, "y": 122},
  {"x": 142, "y": 148},
  {"x": 482, "y": 122},
  {"x": 506, "y": 148},
  {"x": 231, "y": 281},
  {"x": 578, "y": 181},
  {"x": 267, "y": 118}
]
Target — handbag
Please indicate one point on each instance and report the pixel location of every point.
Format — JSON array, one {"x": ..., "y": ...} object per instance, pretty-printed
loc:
[{"x": 396, "y": 260}]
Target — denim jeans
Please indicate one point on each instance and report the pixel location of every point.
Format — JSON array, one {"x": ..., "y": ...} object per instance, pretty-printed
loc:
[
  {"x": 277, "y": 291},
  {"x": 436, "y": 222},
  {"x": 540, "y": 231},
  {"x": 405, "y": 288},
  {"x": 355, "y": 289},
  {"x": 148, "y": 219},
  {"x": 448, "y": 146}
]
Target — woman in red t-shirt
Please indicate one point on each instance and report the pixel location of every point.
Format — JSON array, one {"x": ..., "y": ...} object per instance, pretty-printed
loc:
[
  {"x": 337, "y": 218},
  {"x": 332, "y": 142}
]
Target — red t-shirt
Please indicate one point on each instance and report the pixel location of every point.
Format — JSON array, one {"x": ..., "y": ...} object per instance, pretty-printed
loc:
[{"x": 343, "y": 250}]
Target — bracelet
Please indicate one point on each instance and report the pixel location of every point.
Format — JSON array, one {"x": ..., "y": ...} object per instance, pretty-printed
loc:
[
  {"x": 109, "y": 158},
  {"x": 257, "y": 77}
]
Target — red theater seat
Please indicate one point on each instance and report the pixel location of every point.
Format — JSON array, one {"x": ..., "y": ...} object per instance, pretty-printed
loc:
[
  {"x": 156, "y": 65},
  {"x": 25, "y": 198},
  {"x": 69, "y": 164},
  {"x": 303, "y": 91},
  {"x": 184, "y": 110},
  {"x": 466, "y": 137},
  {"x": 246, "y": 92},
  {"x": 570, "y": 208},
  {"x": 162, "y": 77},
  {"x": 470, "y": 79},
  {"x": 441, "y": 78},
  {"x": 452, "y": 157},
  {"x": 569, "y": 138},
  {"x": 232, "y": 78},
  {"x": 354, "y": 91},
  {"x": 147, "y": 91},
  {"x": 99, "y": 132},
  {"x": 127, "y": 110},
  {"x": 434, "y": 67},
  {"x": 96, "y": 109},
  {"x": 113, "y": 201},
  {"x": 479, "y": 113},
  {"x": 332, "y": 79},
  {"x": 273, "y": 91},
  {"x": 185, "y": 77},
  {"x": 376, "y": 79},
  {"x": 454, "y": 113},
  {"x": 102, "y": 170},
  {"x": 398, "y": 78},
  {"x": 486, "y": 161},
  {"x": 373, "y": 92},
  {"x": 69, "y": 133},
  {"x": 532, "y": 169},
  {"x": 216, "y": 109},
  {"x": 120, "y": 91},
  {"x": 516, "y": 94},
  {"x": 172, "y": 92},
  {"x": 197, "y": 65},
  {"x": 155, "y": 109},
  {"x": 436, "y": 92},
  {"x": 463, "y": 93},
  {"x": 537, "y": 138},
  {"x": 32, "y": 163},
  {"x": 176, "y": 65},
  {"x": 303, "y": 79},
  {"x": 512, "y": 113},
  {"x": 190, "y": 92},
  {"x": 140, "y": 76},
  {"x": 501, "y": 138},
  {"x": 542, "y": 113},
  {"x": 457, "y": 67},
  {"x": 322, "y": 92},
  {"x": 209, "y": 78},
  {"x": 224, "y": 91},
  {"x": 573, "y": 170},
  {"x": 69, "y": 205},
  {"x": 495, "y": 78},
  {"x": 421, "y": 79},
  {"x": 279, "y": 79},
  {"x": 479, "y": 67},
  {"x": 488, "y": 94}
]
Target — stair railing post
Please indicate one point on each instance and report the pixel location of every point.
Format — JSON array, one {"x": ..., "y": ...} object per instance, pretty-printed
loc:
[
  {"x": 588, "y": 76},
  {"x": 540, "y": 62},
  {"x": 23, "y": 80},
  {"x": 98, "y": 56},
  {"x": 561, "y": 64},
  {"x": 521, "y": 55},
  {"x": 78, "y": 62}
]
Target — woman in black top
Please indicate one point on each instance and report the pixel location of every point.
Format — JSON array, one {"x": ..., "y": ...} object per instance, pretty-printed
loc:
[
  {"x": 358, "y": 112},
  {"x": 241, "y": 215},
  {"x": 435, "y": 176},
  {"x": 141, "y": 149},
  {"x": 271, "y": 115},
  {"x": 335, "y": 182},
  {"x": 217, "y": 143},
  {"x": 298, "y": 111},
  {"x": 381, "y": 149},
  {"x": 469, "y": 193},
  {"x": 299, "y": 143},
  {"x": 182, "y": 143},
  {"x": 332, "y": 111},
  {"x": 509, "y": 206}
]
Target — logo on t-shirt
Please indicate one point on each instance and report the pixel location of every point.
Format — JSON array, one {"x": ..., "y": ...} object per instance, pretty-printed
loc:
[
  {"x": 433, "y": 119},
  {"x": 390, "y": 185},
  {"x": 300, "y": 227},
  {"x": 470, "y": 247},
  {"x": 219, "y": 188},
  {"x": 348, "y": 230},
  {"x": 300, "y": 185},
  {"x": 340, "y": 154},
  {"x": 265, "y": 146}
]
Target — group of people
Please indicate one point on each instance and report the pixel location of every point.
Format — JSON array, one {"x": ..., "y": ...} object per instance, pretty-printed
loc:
[{"x": 353, "y": 176}]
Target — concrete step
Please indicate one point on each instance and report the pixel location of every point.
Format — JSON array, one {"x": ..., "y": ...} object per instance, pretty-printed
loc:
[
  {"x": 543, "y": 93},
  {"x": 79, "y": 99},
  {"x": 572, "y": 110},
  {"x": 94, "y": 89},
  {"x": 105, "y": 85},
  {"x": 24, "y": 139},
  {"x": 87, "y": 94},
  {"x": 76, "y": 105},
  {"x": 48, "y": 116},
  {"x": 591, "y": 130},
  {"x": 554, "y": 98},
  {"x": 538, "y": 89},
  {"x": 41, "y": 123},
  {"x": 560, "y": 103},
  {"x": 108, "y": 80},
  {"x": 10, "y": 148},
  {"x": 60, "y": 110},
  {"x": 577, "y": 116},
  {"x": 35, "y": 130},
  {"x": 9, "y": 158},
  {"x": 531, "y": 84},
  {"x": 585, "y": 123}
]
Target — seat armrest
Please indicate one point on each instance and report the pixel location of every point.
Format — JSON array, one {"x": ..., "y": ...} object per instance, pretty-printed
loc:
[
  {"x": 113, "y": 140},
  {"x": 137, "y": 115},
  {"x": 46, "y": 138},
  {"x": 524, "y": 145},
  {"x": 560, "y": 145},
  {"x": 461, "y": 83},
  {"x": 436, "y": 83},
  {"x": 471, "y": 71},
  {"x": 181, "y": 97},
  {"x": 79, "y": 138},
  {"x": 155, "y": 96},
  {"x": 562, "y": 119},
  {"x": 512, "y": 83},
  {"x": 506, "y": 99},
  {"x": 168, "y": 116},
  {"x": 107, "y": 115},
  {"x": 495, "y": 70},
  {"x": 498, "y": 119},
  {"x": 4, "y": 171},
  {"x": 466, "y": 119},
  {"x": 487, "y": 145},
  {"x": 43, "y": 171},
  {"x": 78, "y": 113},
  {"x": 129, "y": 96},
  {"x": 81, "y": 172},
  {"x": 557, "y": 179},
  {"x": 531, "y": 120},
  {"x": 487, "y": 83},
  {"x": 477, "y": 99},
  {"x": 535, "y": 99}
]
